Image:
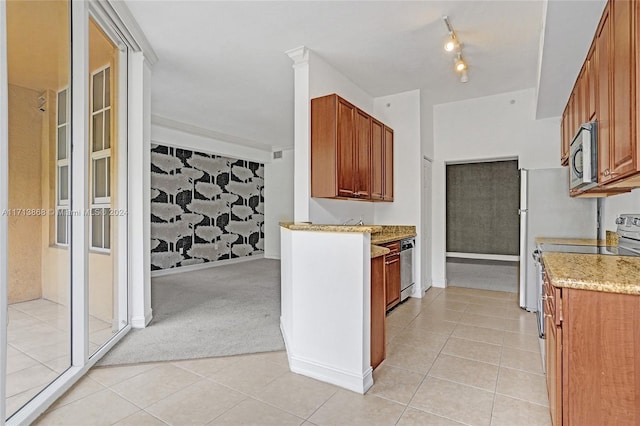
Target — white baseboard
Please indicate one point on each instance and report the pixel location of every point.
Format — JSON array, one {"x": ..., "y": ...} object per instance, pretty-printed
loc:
[
  {"x": 199, "y": 266},
  {"x": 440, "y": 283},
  {"x": 272, "y": 256},
  {"x": 359, "y": 383},
  {"x": 141, "y": 322}
]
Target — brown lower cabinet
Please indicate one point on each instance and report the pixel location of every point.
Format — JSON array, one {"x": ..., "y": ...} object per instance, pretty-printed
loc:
[
  {"x": 392, "y": 274},
  {"x": 592, "y": 357},
  {"x": 378, "y": 311}
]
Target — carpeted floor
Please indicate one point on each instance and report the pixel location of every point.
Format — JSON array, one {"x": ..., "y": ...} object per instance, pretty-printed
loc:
[{"x": 226, "y": 310}]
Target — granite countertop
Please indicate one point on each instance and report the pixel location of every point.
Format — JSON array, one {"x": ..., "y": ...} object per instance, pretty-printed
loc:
[
  {"x": 393, "y": 233},
  {"x": 368, "y": 229},
  {"x": 611, "y": 274},
  {"x": 377, "y": 251},
  {"x": 572, "y": 241}
]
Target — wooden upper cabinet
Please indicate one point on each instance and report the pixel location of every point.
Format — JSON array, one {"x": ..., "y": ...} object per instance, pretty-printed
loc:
[
  {"x": 377, "y": 159},
  {"x": 388, "y": 164},
  {"x": 564, "y": 134},
  {"x": 346, "y": 149},
  {"x": 622, "y": 150},
  {"x": 350, "y": 152},
  {"x": 591, "y": 78},
  {"x": 603, "y": 52},
  {"x": 363, "y": 155}
]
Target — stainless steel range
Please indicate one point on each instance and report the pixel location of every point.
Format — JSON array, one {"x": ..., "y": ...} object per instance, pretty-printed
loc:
[{"x": 628, "y": 231}]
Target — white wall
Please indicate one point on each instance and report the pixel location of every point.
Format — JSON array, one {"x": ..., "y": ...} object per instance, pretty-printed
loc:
[
  {"x": 619, "y": 204},
  {"x": 278, "y": 201},
  {"x": 402, "y": 113},
  {"x": 491, "y": 127}
]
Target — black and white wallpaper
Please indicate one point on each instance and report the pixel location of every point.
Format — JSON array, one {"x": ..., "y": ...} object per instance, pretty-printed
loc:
[{"x": 204, "y": 207}]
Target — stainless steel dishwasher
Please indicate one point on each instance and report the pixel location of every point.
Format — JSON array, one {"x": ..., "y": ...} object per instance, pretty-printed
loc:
[{"x": 407, "y": 280}]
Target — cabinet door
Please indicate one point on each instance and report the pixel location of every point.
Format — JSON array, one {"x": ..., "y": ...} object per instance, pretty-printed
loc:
[
  {"x": 378, "y": 311},
  {"x": 377, "y": 159},
  {"x": 345, "y": 147},
  {"x": 603, "y": 52},
  {"x": 564, "y": 134},
  {"x": 363, "y": 155},
  {"x": 623, "y": 142},
  {"x": 388, "y": 164},
  {"x": 553, "y": 363},
  {"x": 392, "y": 280},
  {"x": 591, "y": 78}
]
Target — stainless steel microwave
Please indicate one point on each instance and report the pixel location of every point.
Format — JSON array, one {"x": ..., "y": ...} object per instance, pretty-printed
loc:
[{"x": 583, "y": 157}]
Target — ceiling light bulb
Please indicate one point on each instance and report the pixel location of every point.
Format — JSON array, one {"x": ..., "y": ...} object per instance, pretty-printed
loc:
[
  {"x": 460, "y": 65},
  {"x": 451, "y": 44},
  {"x": 464, "y": 77}
]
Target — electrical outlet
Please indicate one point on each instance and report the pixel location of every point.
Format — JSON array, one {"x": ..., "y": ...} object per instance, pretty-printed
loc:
[{"x": 181, "y": 250}]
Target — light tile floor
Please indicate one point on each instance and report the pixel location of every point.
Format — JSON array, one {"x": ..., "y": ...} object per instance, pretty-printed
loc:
[
  {"x": 39, "y": 347},
  {"x": 457, "y": 356}
]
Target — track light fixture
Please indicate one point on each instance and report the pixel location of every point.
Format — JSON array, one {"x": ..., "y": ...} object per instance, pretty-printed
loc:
[{"x": 452, "y": 44}]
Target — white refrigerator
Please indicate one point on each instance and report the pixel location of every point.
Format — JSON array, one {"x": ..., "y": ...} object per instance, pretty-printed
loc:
[{"x": 546, "y": 210}]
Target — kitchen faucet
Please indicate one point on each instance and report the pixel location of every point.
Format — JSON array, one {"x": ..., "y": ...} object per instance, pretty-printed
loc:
[{"x": 359, "y": 223}]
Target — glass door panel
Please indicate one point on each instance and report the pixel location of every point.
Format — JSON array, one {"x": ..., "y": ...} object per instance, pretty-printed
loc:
[
  {"x": 107, "y": 190},
  {"x": 39, "y": 325}
]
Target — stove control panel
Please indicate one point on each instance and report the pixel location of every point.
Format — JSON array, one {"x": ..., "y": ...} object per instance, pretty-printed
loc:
[{"x": 629, "y": 226}]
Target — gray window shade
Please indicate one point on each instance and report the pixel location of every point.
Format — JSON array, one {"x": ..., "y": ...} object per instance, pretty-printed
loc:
[{"x": 482, "y": 208}]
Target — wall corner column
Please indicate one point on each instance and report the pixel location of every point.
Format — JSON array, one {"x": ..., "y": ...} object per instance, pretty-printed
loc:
[
  {"x": 302, "y": 134},
  {"x": 140, "y": 189}
]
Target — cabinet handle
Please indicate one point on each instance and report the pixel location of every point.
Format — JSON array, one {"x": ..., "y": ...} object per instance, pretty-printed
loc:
[
  {"x": 548, "y": 316},
  {"x": 607, "y": 172},
  {"x": 547, "y": 297}
]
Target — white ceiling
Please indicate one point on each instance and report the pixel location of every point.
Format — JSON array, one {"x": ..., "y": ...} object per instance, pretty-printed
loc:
[{"x": 222, "y": 65}]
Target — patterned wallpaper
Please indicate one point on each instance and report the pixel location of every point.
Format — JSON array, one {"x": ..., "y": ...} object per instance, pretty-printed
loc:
[{"x": 204, "y": 207}]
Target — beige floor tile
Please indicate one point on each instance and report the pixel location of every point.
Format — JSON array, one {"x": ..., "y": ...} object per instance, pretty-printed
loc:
[
  {"x": 522, "y": 360},
  {"x": 524, "y": 325},
  {"x": 84, "y": 387},
  {"x": 37, "y": 376},
  {"x": 37, "y": 335},
  {"x": 465, "y": 371},
  {"x": 509, "y": 411},
  {"x": 349, "y": 408},
  {"x": 100, "y": 337},
  {"x": 18, "y": 360},
  {"x": 489, "y": 311},
  {"x": 525, "y": 342},
  {"x": 430, "y": 342},
  {"x": 477, "y": 351},
  {"x": 455, "y": 401},
  {"x": 109, "y": 376},
  {"x": 391, "y": 332},
  {"x": 278, "y": 357},
  {"x": 479, "y": 334},
  {"x": 206, "y": 366},
  {"x": 59, "y": 365},
  {"x": 410, "y": 357},
  {"x": 251, "y": 412},
  {"x": 101, "y": 408},
  {"x": 399, "y": 318},
  {"x": 450, "y": 303},
  {"x": 441, "y": 314},
  {"x": 197, "y": 404},
  {"x": 296, "y": 394},
  {"x": 141, "y": 418},
  {"x": 482, "y": 321},
  {"x": 516, "y": 312},
  {"x": 49, "y": 352},
  {"x": 155, "y": 384},
  {"x": 414, "y": 417},
  {"x": 426, "y": 322},
  {"x": 394, "y": 383},
  {"x": 522, "y": 385},
  {"x": 249, "y": 375}
]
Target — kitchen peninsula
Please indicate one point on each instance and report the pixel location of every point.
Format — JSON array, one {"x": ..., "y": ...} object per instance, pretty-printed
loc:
[{"x": 326, "y": 299}]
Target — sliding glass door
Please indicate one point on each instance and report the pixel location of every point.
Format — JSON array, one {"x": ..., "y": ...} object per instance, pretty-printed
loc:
[
  {"x": 38, "y": 264},
  {"x": 65, "y": 284}
]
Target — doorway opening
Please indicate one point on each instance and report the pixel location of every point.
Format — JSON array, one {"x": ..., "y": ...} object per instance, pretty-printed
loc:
[{"x": 483, "y": 225}]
